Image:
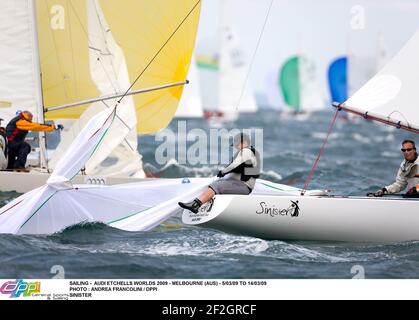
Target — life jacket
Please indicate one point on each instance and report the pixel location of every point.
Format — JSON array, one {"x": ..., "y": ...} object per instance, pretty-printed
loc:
[
  {"x": 245, "y": 168},
  {"x": 13, "y": 133}
]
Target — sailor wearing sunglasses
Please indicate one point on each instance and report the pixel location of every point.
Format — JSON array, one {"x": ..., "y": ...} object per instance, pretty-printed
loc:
[{"x": 408, "y": 175}]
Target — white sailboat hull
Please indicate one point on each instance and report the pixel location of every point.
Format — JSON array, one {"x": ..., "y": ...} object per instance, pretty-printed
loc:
[{"x": 318, "y": 218}]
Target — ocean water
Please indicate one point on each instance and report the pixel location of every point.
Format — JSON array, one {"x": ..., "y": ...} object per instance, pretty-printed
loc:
[{"x": 360, "y": 157}]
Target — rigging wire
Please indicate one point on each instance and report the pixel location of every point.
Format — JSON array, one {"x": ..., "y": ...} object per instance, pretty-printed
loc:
[
  {"x": 96, "y": 51},
  {"x": 160, "y": 50},
  {"x": 254, "y": 54},
  {"x": 322, "y": 149}
]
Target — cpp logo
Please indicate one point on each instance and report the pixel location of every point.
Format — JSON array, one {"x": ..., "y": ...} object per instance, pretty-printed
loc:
[{"x": 20, "y": 287}]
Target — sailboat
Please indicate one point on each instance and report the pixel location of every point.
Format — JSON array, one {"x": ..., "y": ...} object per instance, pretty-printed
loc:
[
  {"x": 161, "y": 59},
  {"x": 88, "y": 52},
  {"x": 386, "y": 98},
  {"x": 338, "y": 79},
  {"x": 190, "y": 105},
  {"x": 234, "y": 92},
  {"x": 138, "y": 206},
  {"x": 297, "y": 82}
]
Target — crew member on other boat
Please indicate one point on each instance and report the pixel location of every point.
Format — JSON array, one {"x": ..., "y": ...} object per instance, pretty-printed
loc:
[
  {"x": 239, "y": 177},
  {"x": 408, "y": 175},
  {"x": 16, "y": 132}
]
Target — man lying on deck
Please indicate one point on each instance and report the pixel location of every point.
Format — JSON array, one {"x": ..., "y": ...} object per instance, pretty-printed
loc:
[
  {"x": 408, "y": 175},
  {"x": 239, "y": 177}
]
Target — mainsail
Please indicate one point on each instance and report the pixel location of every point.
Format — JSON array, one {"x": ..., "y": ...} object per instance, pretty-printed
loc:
[
  {"x": 18, "y": 81},
  {"x": 388, "y": 97}
]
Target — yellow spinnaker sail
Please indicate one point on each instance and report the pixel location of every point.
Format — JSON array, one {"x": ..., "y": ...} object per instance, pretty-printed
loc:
[
  {"x": 64, "y": 55},
  {"x": 141, "y": 28}
]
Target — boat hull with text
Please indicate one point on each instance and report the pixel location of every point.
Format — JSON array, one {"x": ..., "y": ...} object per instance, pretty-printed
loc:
[{"x": 308, "y": 218}]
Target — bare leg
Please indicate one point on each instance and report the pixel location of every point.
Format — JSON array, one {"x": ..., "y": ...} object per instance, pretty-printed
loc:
[{"x": 207, "y": 196}]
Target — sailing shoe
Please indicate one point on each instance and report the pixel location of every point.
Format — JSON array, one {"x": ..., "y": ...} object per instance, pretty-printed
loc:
[{"x": 191, "y": 206}]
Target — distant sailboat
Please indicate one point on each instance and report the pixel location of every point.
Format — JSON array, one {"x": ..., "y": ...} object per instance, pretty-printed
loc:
[
  {"x": 338, "y": 80},
  {"x": 235, "y": 95},
  {"x": 190, "y": 105},
  {"x": 298, "y": 85},
  {"x": 234, "y": 92},
  {"x": 208, "y": 67}
]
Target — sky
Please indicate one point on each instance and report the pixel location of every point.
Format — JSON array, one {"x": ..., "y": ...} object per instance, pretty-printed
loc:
[{"x": 322, "y": 30}]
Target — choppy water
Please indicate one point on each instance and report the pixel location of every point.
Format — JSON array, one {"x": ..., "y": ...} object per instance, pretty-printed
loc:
[{"x": 360, "y": 157}]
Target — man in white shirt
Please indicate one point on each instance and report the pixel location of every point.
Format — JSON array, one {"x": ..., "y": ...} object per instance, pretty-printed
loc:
[{"x": 239, "y": 177}]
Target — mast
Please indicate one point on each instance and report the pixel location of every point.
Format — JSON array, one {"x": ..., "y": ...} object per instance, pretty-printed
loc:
[{"x": 38, "y": 85}]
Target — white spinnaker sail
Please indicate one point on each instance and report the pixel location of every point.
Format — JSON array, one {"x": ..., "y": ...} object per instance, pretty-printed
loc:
[
  {"x": 133, "y": 207},
  {"x": 190, "y": 105},
  {"x": 58, "y": 204},
  {"x": 109, "y": 72},
  {"x": 390, "y": 95},
  {"x": 84, "y": 146},
  {"x": 18, "y": 81}
]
